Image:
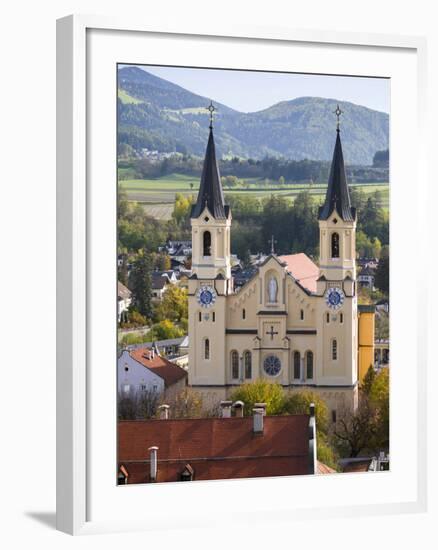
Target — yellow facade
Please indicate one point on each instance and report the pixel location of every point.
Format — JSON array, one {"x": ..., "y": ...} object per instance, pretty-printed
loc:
[{"x": 366, "y": 339}]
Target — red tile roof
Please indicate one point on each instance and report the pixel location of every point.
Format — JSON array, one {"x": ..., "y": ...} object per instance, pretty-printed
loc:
[
  {"x": 322, "y": 468},
  {"x": 357, "y": 466},
  {"x": 302, "y": 269},
  {"x": 169, "y": 372},
  {"x": 216, "y": 448}
]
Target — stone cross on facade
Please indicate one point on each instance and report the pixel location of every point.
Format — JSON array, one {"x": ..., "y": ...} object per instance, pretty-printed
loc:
[{"x": 272, "y": 332}]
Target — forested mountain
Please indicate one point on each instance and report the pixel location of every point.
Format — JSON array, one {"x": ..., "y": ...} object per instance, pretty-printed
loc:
[{"x": 157, "y": 114}]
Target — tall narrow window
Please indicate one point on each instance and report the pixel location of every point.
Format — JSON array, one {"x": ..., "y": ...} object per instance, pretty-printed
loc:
[
  {"x": 243, "y": 313},
  {"x": 309, "y": 365},
  {"x": 234, "y": 365},
  {"x": 247, "y": 360},
  {"x": 297, "y": 365},
  {"x": 327, "y": 317},
  {"x": 341, "y": 317},
  {"x": 213, "y": 315},
  {"x": 206, "y": 348},
  {"x": 334, "y": 349},
  {"x": 335, "y": 245},
  {"x": 302, "y": 314},
  {"x": 206, "y": 243},
  {"x": 200, "y": 316}
]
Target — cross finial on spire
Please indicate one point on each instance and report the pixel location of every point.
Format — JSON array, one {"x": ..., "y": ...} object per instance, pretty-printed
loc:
[
  {"x": 338, "y": 113},
  {"x": 211, "y": 108},
  {"x": 272, "y": 241}
]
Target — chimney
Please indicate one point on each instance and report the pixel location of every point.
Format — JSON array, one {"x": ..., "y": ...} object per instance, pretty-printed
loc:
[
  {"x": 164, "y": 412},
  {"x": 238, "y": 407},
  {"x": 226, "y": 409},
  {"x": 261, "y": 406},
  {"x": 258, "y": 421},
  {"x": 153, "y": 472}
]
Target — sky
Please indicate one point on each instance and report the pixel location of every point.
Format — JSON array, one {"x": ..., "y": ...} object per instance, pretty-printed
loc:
[{"x": 249, "y": 91}]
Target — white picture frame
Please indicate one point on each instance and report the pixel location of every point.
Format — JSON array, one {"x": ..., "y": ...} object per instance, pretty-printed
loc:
[{"x": 79, "y": 222}]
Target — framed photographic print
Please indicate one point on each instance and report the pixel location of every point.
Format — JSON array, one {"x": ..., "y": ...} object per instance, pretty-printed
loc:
[{"x": 234, "y": 211}]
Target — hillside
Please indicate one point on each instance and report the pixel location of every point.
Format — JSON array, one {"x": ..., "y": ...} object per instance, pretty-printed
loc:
[{"x": 157, "y": 114}]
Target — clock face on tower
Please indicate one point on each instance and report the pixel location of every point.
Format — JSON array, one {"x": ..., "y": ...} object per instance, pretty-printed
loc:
[
  {"x": 334, "y": 298},
  {"x": 206, "y": 296}
]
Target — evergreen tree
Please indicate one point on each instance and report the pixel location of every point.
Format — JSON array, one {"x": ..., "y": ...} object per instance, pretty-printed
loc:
[
  {"x": 382, "y": 275},
  {"x": 141, "y": 284}
]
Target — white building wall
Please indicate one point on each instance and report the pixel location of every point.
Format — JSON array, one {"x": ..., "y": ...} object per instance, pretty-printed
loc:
[{"x": 133, "y": 376}]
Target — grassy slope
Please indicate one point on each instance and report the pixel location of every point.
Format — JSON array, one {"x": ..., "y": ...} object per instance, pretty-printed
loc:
[{"x": 126, "y": 99}]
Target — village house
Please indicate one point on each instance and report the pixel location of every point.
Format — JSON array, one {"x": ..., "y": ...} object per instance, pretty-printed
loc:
[
  {"x": 218, "y": 448},
  {"x": 143, "y": 369},
  {"x": 124, "y": 300},
  {"x": 160, "y": 282},
  {"x": 366, "y": 277}
]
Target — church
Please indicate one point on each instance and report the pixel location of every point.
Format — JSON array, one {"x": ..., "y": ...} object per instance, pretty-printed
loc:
[{"x": 294, "y": 322}]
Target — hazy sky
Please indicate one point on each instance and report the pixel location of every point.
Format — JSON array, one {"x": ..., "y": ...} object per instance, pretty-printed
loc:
[{"x": 252, "y": 91}]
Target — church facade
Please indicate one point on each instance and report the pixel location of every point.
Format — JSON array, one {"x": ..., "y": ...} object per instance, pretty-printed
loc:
[{"x": 294, "y": 322}]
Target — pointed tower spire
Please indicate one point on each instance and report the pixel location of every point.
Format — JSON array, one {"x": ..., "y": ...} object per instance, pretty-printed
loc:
[
  {"x": 210, "y": 193},
  {"x": 338, "y": 196}
]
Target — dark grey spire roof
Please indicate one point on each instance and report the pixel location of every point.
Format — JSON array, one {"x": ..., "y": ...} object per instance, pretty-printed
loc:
[
  {"x": 338, "y": 197},
  {"x": 210, "y": 191}
]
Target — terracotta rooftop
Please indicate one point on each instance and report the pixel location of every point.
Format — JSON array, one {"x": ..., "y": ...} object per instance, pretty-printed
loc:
[
  {"x": 215, "y": 448},
  {"x": 302, "y": 269},
  {"x": 168, "y": 371}
]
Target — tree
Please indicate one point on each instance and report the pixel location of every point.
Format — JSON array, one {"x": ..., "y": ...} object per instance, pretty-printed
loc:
[
  {"x": 174, "y": 304},
  {"x": 260, "y": 391},
  {"x": 356, "y": 430},
  {"x": 379, "y": 399},
  {"x": 181, "y": 209},
  {"x": 382, "y": 274},
  {"x": 368, "y": 380},
  {"x": 299, "y": 403},
  {"x": 187, "y": 403},
  {"x": 281, "y": 181},
  {"x": 246, "y": 258},
  {"x": 141, "y": 284},
  {"x": 165, "y": 330}
]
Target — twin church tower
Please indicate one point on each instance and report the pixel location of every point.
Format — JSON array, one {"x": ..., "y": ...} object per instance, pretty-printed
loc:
[{"x": 293, "y": 322}]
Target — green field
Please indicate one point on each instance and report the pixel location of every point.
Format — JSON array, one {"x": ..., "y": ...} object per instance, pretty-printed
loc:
[
  {"x": 127, "y": 99},
  {"x": 158, "y": 195}
]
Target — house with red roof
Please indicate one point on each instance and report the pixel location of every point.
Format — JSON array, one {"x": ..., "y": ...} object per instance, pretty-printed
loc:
[{"x": 143, "y": 369}]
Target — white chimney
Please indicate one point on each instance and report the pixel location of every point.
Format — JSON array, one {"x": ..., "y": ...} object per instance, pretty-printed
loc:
[
  {"x": 238, "y": 407},
  {"x": 226, "y": 409},
  {"x": 154, "y": 461},
  {"x": 258, "y": 421},
  {"x": 164, "y": 412},
  {"x": 261, "y": 406}
]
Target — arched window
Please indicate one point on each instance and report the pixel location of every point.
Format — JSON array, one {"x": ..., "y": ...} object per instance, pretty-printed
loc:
[
  {"x": 334, "y": 349},
  {"x": 302, "y": 314},
  {"x": 341, "y": 317},
  {"x": 297, "y": 365},
  {"x": 335, "y": 245},
  {"x": 206, "y": 240},
  {"x": 327, "y": 317},
  {"x": 234, "y": 365},
  {"x": 200, "y": 316},
  {"x": 247, "y": 361},
  {"x": 243, "y": 313},
  {"x": 206, "y": 348},
  {"x": 309, "y": 365}
]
